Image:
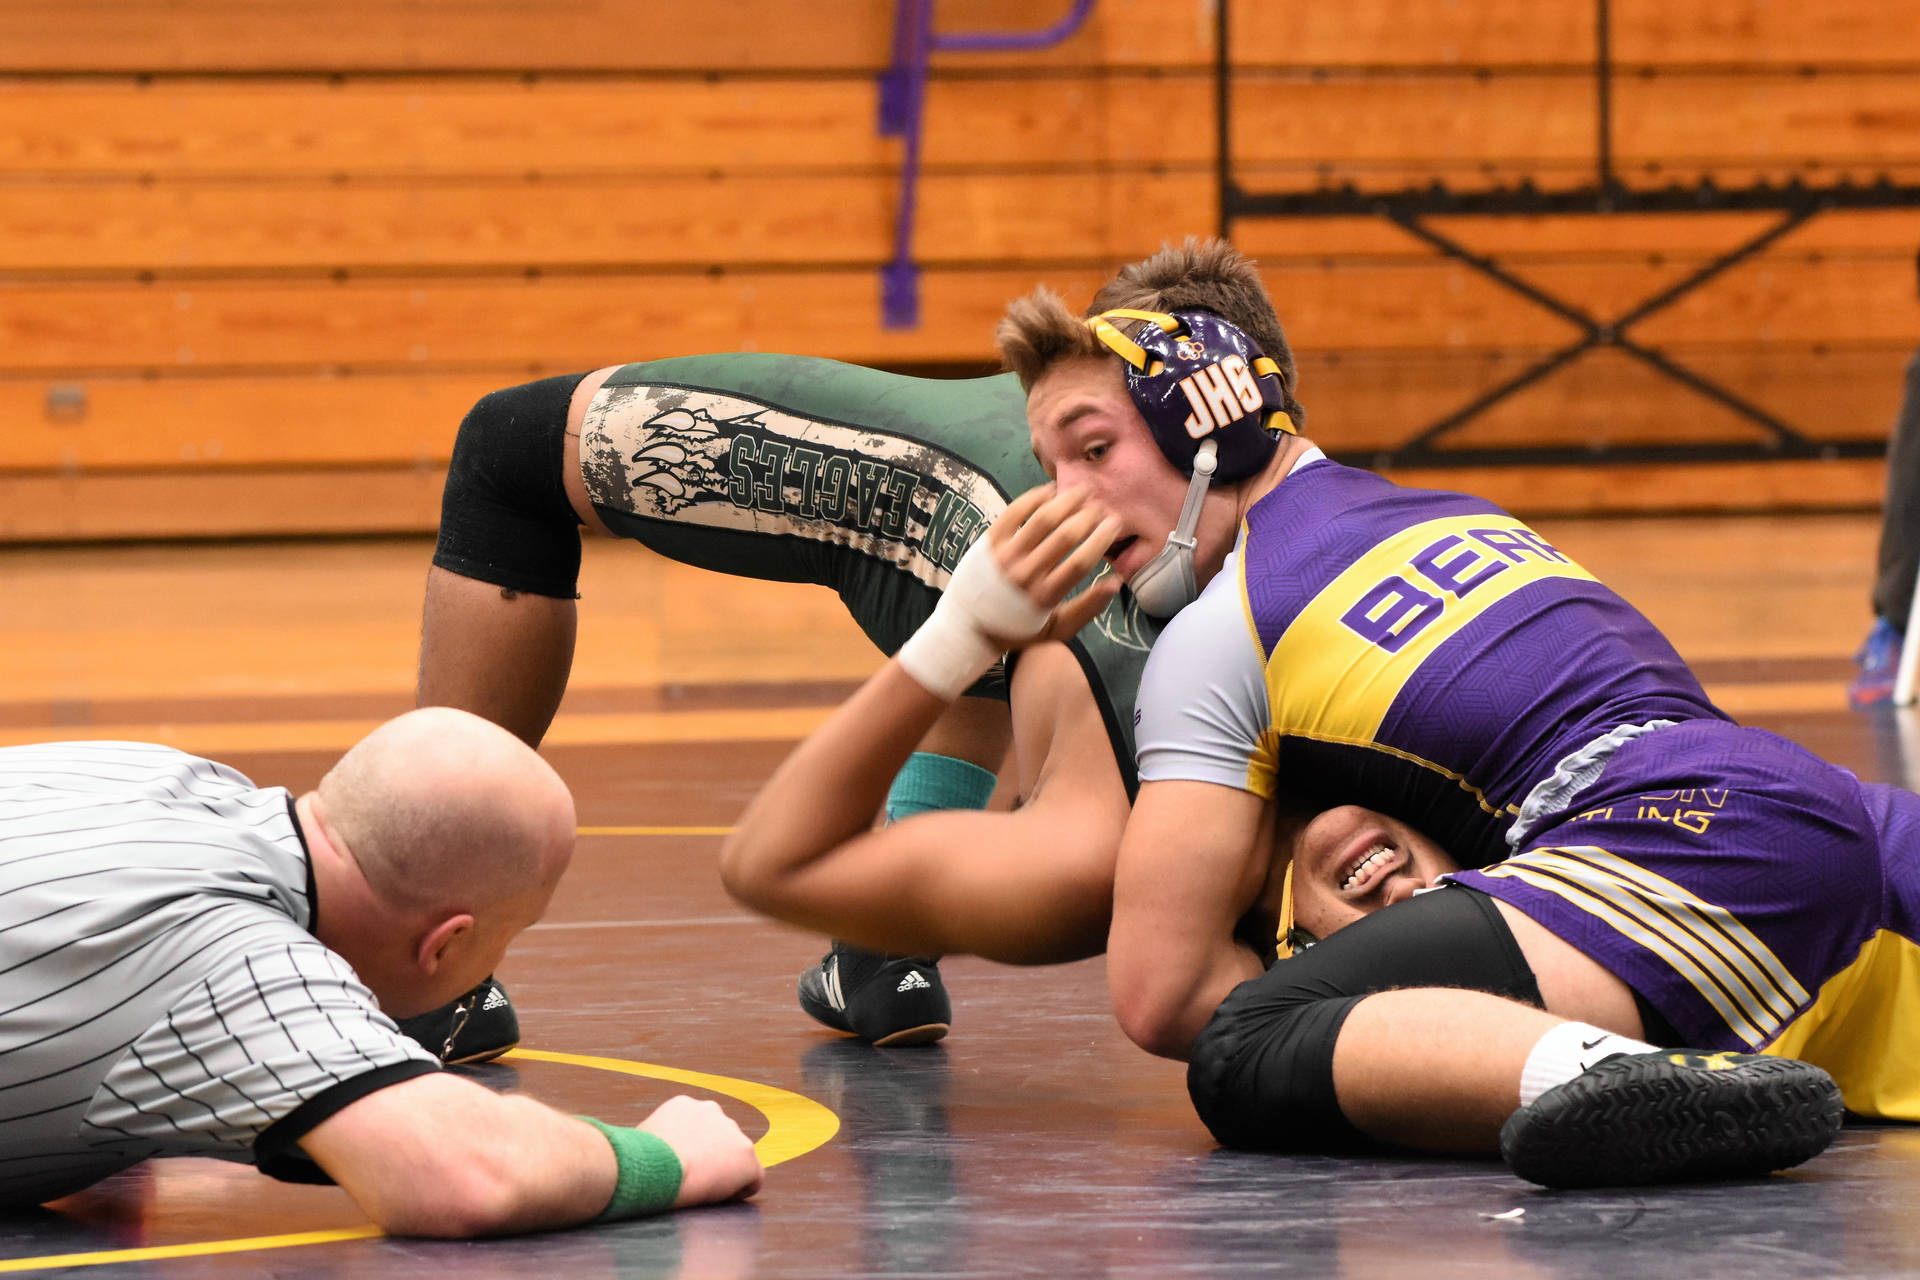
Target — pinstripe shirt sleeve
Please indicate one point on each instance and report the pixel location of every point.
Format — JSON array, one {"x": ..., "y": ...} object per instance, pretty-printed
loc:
[{"x": 268, "y": 1030}]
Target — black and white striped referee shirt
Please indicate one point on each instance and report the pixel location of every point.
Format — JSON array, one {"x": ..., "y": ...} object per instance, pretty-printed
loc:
[{"x": 160, "y": 990}]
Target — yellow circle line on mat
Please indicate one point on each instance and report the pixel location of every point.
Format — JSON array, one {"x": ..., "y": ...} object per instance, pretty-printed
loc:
[
  {"x": 795, "y": 1125},
  {"x": 654, "y": 831},
  {"x": 199, "y": 1249}
]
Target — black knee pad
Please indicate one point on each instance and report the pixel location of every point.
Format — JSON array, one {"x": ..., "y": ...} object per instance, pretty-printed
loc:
[
  {"x": 504, "y": 517},
  {"x": 1261, "y": 1072}
]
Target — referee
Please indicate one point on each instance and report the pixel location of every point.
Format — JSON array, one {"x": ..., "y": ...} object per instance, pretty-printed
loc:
[{"x": 190, "y": 965}]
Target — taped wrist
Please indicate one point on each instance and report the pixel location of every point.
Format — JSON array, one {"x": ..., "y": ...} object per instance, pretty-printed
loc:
[
  {"x": 952, "y": 649},
  {"x": 649, "y": 1172},
  {"x": 927, "y": 782},
  {"x": 945, "y": 656}
]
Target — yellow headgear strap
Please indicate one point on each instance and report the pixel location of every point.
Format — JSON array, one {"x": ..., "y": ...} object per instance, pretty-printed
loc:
[
  {"x": 1283, "y": 946},
  {"x": 1123, "y": 346}
]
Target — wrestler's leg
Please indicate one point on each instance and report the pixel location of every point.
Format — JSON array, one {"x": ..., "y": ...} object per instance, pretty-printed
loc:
[
  {"x": 496, "y": 650},
  {"x": 498, "y": 653},
  {"x": 497, "y": 629},
  {"x": 1328, "y": 1050},
  {"x": 1266, "y": 1069}
]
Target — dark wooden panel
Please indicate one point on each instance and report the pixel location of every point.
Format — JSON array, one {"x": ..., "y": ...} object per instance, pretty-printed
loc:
[
  {"x": 296, "y": 419},
  {"x": 1797, "y": 33},
  {"x": 1796, "y": 299},
  {"x": 1602, "y": 489},
  {"x": 1497, "y": 33},
  {"x": 59, "y": 472},
  {"x": 229, "y": 504},
  {"x": 1377, "y": 129},
  {"x": 1882, "y": 234},
  {"x": 1360, "y": 305},
  {"x": 1387, "y": 131},
  {"x": 161, "y": 35},
  {"x": 1345, "y": 129},
  {"x": 554, "y": 322},
  {"x": 1690, "y": 123},
  {"x": 287, "y": 225},
  {"x": 399, "y": 35},
  {"x": 510, "y": 126},
  {"x": 198, "y": 504},
  {"x": 503, "y": 126},
  {"x": 683, "y": 221},
  {"x": 575, "y": 321},
  {"x": 650, "y": 35},
  {"x": 1372, "y": 401},
  {"x": 1357, "y": 402},
  {"x": 1377, "y": 401}
]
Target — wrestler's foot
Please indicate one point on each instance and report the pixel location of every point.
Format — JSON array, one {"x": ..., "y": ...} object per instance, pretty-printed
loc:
[
  {"x": 1877, "y": 663},
  {"x": 1673, "y": 1116},
  {"x": 478, "y": 1027},
  {"x": 883, "y": 999}
]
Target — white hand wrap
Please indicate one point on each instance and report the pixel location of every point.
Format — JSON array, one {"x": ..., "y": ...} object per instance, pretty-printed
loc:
[{"x": 951, "y": 649}]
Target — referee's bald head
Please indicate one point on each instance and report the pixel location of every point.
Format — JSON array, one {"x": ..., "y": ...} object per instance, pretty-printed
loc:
[{"x": 443, "y": 810}]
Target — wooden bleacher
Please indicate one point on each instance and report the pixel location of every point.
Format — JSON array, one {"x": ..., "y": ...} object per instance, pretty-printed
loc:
[{"x": 255, "y": 263}]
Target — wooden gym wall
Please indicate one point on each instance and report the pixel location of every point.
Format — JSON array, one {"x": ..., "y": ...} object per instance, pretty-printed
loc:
[{"x": 257, "y": 259}]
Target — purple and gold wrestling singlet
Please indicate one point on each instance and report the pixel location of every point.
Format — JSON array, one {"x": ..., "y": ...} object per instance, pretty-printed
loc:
[
  {"x": 1426, "y": 655},
  {"x": 1417, "y": 652},
  {"x": 1757, "y": 896}
]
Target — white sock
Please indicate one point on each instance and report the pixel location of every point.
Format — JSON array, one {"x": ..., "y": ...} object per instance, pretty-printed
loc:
[{"x": 1566, "y": 1051}]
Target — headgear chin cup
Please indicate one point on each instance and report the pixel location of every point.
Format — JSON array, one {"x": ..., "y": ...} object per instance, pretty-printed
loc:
[{"x": 1165, "y": 585}]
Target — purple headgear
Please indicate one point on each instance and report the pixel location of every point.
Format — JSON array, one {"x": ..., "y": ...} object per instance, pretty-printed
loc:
[{"x": 1196, "y": 377}]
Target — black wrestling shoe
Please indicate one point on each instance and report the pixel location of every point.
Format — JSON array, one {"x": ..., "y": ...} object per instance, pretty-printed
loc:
[
  {"x": 883, "y": 999},
  {"x": 1673, "y": 1116},
  {"x": 478, "y": 1027}
]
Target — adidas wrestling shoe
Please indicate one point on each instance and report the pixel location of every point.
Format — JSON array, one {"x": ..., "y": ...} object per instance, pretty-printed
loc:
[
  {"x": 1673, "y": 1116},
  {"x": 478, "y": 1027},
  {"x": 883, "y": 999}
]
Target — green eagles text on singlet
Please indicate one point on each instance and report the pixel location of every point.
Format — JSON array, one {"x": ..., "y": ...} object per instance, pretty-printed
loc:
[{"x": 799, "y": 469}]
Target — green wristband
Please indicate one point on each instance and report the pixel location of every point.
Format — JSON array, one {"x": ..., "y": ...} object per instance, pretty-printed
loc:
[{"x": 649, "y": 1172}]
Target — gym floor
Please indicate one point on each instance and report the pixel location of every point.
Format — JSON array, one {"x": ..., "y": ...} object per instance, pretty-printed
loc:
[{"x": 1035, "y": 1139}]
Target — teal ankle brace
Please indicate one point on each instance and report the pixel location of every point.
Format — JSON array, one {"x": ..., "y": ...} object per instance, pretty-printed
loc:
[
  {"x": 927, "y": 782},
  {"x": 649, "y": 1175}
]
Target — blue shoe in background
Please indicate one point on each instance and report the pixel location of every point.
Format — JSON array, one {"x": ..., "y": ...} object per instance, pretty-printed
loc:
[{"x": 1879, "y": 662}]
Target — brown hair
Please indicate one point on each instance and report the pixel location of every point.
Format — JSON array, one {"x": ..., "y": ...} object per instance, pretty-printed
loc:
[
  {"x": 1039, "y": 331},
  {"x": 1195, "y": 275}
]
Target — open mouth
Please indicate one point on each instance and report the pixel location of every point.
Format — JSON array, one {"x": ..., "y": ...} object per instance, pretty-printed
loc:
[
  {"x": 1379, "y": 859},
  {"x": 1119, "y": 549}
]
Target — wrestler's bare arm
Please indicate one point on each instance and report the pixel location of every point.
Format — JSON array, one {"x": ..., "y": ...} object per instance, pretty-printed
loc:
[
  {"x": 1029, "y": 886},
  {"x": 1023, "y": 887},
  {"x": 1194, "y": 859}
]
